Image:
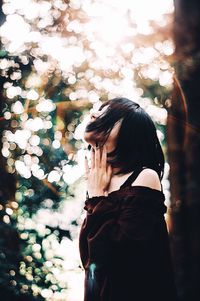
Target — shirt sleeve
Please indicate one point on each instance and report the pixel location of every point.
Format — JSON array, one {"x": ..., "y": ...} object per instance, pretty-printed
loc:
[
  {"x": 94, "y": 241},
  {"x": 125, "y": 220}
]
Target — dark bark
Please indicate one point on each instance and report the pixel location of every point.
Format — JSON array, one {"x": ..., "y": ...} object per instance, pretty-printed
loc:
[{"x": 183, "y": 134}]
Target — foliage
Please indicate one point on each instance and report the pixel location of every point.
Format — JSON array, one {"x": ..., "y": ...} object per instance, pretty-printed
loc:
[{"x": 58, "y": 60}]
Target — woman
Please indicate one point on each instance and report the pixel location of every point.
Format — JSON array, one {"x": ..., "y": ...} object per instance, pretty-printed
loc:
[{"x": 123, "y": 240}]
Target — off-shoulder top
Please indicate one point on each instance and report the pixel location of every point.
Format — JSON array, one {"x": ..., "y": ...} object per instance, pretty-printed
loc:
[{"x": 124, "y": 246}]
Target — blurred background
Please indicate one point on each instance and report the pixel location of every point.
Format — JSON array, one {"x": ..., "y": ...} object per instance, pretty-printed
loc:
[{"x": 58, "y": 61}]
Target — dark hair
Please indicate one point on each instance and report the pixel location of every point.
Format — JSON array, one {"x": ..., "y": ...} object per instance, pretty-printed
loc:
[{"x": 137, "y": 141}]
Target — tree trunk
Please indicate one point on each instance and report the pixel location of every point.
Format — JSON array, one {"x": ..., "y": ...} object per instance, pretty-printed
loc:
[{"x": 183, "y": 136}]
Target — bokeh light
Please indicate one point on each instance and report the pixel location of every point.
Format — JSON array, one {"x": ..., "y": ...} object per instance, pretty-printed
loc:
[{"x": 60, "y": 60}]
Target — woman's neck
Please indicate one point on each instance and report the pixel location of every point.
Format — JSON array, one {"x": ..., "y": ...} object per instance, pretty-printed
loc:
[{"x": 115, "y": 171}]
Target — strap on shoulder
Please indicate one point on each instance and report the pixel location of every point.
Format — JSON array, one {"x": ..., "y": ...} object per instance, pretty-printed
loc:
[{"x": 133, "y": 176}]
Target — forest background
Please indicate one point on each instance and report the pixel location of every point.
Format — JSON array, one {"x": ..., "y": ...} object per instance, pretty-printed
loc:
[{"x": 59, "y": 60}]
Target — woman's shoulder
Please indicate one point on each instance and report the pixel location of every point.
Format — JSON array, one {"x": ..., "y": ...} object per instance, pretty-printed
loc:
[
  {"x": 149, "y": 178},
  {"x": 145, "y": 186}
]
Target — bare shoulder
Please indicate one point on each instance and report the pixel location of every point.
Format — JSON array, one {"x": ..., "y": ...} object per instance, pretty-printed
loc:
[{"x": 148, "y": 177}]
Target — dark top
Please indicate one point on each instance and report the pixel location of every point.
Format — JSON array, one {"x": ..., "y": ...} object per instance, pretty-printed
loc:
[{"x": 124, "y": 246}]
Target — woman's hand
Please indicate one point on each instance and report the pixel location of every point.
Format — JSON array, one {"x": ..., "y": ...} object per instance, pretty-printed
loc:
[{"x": 99, "y": 174}]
